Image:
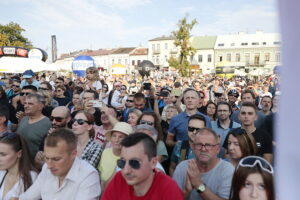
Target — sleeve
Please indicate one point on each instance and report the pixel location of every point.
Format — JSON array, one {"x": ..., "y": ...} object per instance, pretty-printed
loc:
[
  {"x": 89, "y": 188},
  {"x": 179, "y": 175},
  {"x": 176, "y": 149},
  {"x": 97, "y": 85},
  {"x": 34, "y": 192},
  {"x": 172, "y": 127},
  {"x": 95, "y": 154},
  {"x": 225, "y": 181}
]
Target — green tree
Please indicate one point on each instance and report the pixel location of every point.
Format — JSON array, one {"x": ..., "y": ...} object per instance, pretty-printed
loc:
[
  {"x": 182, "y": 40},
  {"x": 11, "y": 35}
]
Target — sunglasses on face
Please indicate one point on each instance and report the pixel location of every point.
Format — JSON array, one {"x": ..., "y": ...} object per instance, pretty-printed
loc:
[
  {"x": 58, "y": 90},
  {"x": 252, "y": 161},
  {"x": 57, "y": 82},
  {"x": 24, "y": 93},
  {"x": 131, "y": 101},
  {"x": 146, "y": 122},
  {"x": 134, "y": 164},
  {"x": 192, "y": 129},
  {"x": 17, "y": 86},
  {"x": 58, "y": 119},
  {"x": 79, "y": 121}
]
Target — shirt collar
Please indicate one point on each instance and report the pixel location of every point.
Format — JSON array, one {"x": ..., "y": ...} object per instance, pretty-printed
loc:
[{"x": 219, "y": 125}]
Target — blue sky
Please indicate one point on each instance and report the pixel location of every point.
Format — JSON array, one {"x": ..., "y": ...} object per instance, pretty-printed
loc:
[{"x": 94, "y": 24}]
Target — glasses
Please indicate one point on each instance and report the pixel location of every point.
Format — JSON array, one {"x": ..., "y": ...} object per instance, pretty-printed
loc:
[
  {"x": 58, "y": 82},
  {"x": 252, "y": 161},
  {"x": 40, "y": 88},
  {"x": 222, "y": 111},
  {"x": 58, "y": 90},
  {"x": 134, "y": 164},
  {"x": 192, "y": 129},
  {"x": 79, "y": 121},
  {"x": 146, "y": 122},
  {"x": 206, "y": 146},
  {"x": 58, "y": 119},
  {"x": 131, "y": 101},
  {"x": 17, "y": 86},
  {"x": 24, "y": 93},
  {"x": 123, "y": 88}
]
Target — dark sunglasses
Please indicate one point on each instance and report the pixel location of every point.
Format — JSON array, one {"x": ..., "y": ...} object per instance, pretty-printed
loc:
[
  {"x": 252, "y": 161},
  {"x": 79, "y": 121},
  {"x": 58, "y": 119},
  {"x": 40, "y": 88},
  {"x": 146, "y": 122},
  {"x": 58, "y": 90},
  {"x": 134, "y": 164},
  {"x": 192, "y": 129},
  {"x": 24, "y": 93},
  {"x": 17, "y": 86},
  {"x": 131, "y": 101}
]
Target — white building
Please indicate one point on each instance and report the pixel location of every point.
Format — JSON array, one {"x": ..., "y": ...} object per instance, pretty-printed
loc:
[
  {"x": 121, "y": 56},
  {"x": 136, "y": 57},
  {"x": 249, "y": 51}
]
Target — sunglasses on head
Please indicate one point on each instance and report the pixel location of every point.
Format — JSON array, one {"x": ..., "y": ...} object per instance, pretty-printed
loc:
[
  {"x": 252, "y": 161},
  {"x": 58, "y": 119},
  {"x": 134, "y": 164},
  {"x": 79, "y": 121},
  {"x": 24, "y": 93},
  {"x": 192, "y": 129},
  {"x": 146, "y": 122}
]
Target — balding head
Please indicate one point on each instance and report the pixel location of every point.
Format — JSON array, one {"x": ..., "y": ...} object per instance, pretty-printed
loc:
[{"x": 60, "y": 117}]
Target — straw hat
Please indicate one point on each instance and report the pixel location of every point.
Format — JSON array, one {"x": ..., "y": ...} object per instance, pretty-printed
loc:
[{"x": 122, "y": 127}]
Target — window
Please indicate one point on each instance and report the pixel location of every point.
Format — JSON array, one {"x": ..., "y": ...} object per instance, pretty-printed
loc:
[
  {"x": 158, "y": 47},
  {"x": 232, "y": 44},
  {"x": 138, "y": 62},
  {"x": 256, "y": 59},
  {"x": 166, "y": 46},
  {"x": 247, "y": 58},
  {"x": 237, "y": 57},
  {"x": 133, "y": 63},
  {"x": 200, "y": 57},
  {"x": 220, "y": 58},
  {"x": 255, "y": 43},
  {"x": 125, "y": 61},
  {"x": 153, "y": 59},
  {"x": 221, "y": 45},
  {"x": 228, "y": 57},
  {"x": 157, "y": 60},
  {"x": 119, "y": 61},
  {"x": 267, "y": 57},
  {"x": 113, "y": 61},
  {"x": 264, "y": 43},
  {"x": 277, "y": 57},
  {"x": 209, "y": 58},
  {"x": 244, "y": 44},
  {"x": 276, "y": 43},
  {"x": 191, "y": 58},
  {"x": 166, "y": 58},
  {"x": 153, "y": 47}
]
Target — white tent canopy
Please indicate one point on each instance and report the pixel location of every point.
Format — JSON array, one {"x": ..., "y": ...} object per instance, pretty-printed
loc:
[{"x": 19, "y": 65}]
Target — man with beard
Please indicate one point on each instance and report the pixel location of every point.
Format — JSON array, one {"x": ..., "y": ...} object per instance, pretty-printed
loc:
[{"x": 206, "y": 176}]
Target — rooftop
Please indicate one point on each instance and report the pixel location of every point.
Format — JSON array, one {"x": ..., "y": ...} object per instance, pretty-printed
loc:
[
  {"x": 140, "y": 51},
  {"x": 204, "y": 42},
  {"x": 163, "y": 38},
  {"x": 127, "y": 50}
]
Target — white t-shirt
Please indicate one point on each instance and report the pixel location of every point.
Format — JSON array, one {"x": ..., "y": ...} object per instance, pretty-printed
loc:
[{"x": 17, "y": 189}]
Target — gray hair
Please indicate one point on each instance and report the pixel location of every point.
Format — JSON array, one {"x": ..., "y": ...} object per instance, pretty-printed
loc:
[
  {"x": 147, "y": 127},
  {"x": 137, "y": 112},
  {"x": 40, "y": 99}
]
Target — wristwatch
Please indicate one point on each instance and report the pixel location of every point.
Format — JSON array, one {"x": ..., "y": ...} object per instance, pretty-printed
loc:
[{"x": 201, "y": 188}]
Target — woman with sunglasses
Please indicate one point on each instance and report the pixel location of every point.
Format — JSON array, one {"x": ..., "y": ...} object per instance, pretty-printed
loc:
[
  {"x": 16, "y": 170},
  {"x": 239, "y": 145},
  {"x": 253, "y": 179},
  {"x": 87, "y": 148},
  {"x": 93, "y": 79},
  {"x": 151, "y": 119}
]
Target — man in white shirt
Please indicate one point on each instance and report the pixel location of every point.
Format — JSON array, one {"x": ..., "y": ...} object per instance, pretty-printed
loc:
[{"x": 64, "y": 176}]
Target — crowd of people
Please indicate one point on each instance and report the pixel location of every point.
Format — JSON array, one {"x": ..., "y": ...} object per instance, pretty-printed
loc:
[{"x": 160, "y": 137}]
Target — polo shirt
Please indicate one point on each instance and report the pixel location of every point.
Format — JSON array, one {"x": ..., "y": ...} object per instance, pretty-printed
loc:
[{"x": 179, "y": 125}]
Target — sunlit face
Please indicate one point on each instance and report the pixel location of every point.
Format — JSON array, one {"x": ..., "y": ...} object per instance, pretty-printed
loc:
[
  {"x": 8, "y": 156},
  {"x": 32, "y": 106},
  {"x": 171, "y": 112},
  {"x": 254, "y": 188},
  {"x": 129, "y": 102},
  {"x": 90, "y": 75},
  {"x": 211, "y": 109},
  {"x": 132, "y": 119},
  {"x": 247, "y": 115},
  {"x": 62, "y": 120},
  {"x": 81, "y": 129},
  {"x": 104, "y": 117},
  {"x": 234, "y": 149},
  {"x": 137, "y": 177},
  {"x": 16, "y": 86},
  {"x": 116, "y": 138},
  {"x": 59, "y": 160},
  {"x": 191, "y": 100}
]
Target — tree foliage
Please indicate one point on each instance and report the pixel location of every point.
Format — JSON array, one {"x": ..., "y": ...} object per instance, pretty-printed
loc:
[
  {"x": 182, "y": 40},
  {"x": 11, "y": 35}
]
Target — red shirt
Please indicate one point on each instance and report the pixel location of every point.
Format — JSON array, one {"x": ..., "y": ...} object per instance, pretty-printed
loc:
[{"x": 162, "y": 188}]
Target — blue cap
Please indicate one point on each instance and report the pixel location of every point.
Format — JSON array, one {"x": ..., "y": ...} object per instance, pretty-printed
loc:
[{"x": 28, "y": 74}]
